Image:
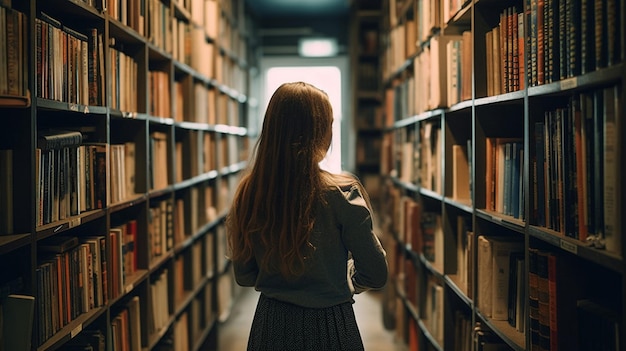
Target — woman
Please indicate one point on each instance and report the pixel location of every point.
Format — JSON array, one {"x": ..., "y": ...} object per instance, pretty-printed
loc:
[{"x": 301, "y": 236}]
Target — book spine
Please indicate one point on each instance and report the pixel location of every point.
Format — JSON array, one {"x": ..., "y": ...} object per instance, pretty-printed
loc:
[
  {"x": 13, "y": 36},
  {"x": 552, "y": 304},
  {"x": 574, "y": 30},
  {"x": 521, "y": 44},
  {"x": 38, "y": 58},
  {"x": 511, "y": 63},
  {"x": 104, "y": 270},
  {"x": 562, "y": 35},
  {"x": 541, "y": 34},
  {"x": 3, "y": 48},
  {"x": 541, "y": 174},
  {"x": 530, "y": 25},
  {"x": 598, "y": 166},
  {"x": 611, "y": 172},
  {"x": 612, "y": 32},
  {"x": 586, "y": 37},
  {"x": 599, "y": 33},
  {"x": 543, "y": 295}
]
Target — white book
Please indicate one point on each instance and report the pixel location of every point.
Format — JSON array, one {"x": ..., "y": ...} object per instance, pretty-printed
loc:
[{"x": 502, "y": 247}]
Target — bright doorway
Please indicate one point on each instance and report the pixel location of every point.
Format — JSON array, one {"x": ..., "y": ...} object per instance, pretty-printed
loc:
[{"x": 325, "y": 74}]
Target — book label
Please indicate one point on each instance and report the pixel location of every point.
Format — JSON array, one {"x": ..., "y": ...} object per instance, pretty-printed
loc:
[
  {"x": 569, "y": 83},
  {"x": 75, "y": 222},
  {"x": 567, "y": 246}
]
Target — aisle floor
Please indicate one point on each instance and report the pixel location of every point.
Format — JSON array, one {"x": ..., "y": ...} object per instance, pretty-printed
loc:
[{"x": 233, "y": 333}]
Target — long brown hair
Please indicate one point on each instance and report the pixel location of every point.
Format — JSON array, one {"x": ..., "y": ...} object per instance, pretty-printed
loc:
[{"x": 276, "y": 198}]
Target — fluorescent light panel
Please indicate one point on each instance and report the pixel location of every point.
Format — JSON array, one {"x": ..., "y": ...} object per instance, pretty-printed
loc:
[{"x": 317, "y": 47}]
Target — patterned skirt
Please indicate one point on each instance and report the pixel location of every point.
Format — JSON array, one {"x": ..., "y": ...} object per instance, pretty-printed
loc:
[{"x": 283, "y": 326}]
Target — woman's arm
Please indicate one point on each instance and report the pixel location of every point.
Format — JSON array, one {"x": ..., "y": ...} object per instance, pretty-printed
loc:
[
  {"x": 369, "y": 269},
  {"x": 246, "y": 273}
]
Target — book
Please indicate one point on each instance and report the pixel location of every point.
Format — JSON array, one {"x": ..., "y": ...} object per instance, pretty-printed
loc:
[
  {"x": 58, "y": 244},
  {"x": 15, "y": 33},
  {"x": 539, "y": 194},
  {"x": 57, "y": 139},
  {"x": 17, "y": 322},
  {"x": 565, "y": 286},
  {"x": 484, "y": 274},
  {"x": 96, "y": 268},
  {"x": 516, "y": 291},
  {"x": 611, "y": 168},
  {"x": 598, "y": 326},
  {"x": 502, "y": 249},
  {"x": 460, "y": 173},
  {"x": 89, "y": 339},
  {"x": 439, "y": 68},
  {"x": 6, "y": 191},
  {"x": 463, "y": 225}
]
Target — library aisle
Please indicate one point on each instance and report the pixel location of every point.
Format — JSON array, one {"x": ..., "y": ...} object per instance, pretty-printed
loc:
[{"x": 233, "y": 333}]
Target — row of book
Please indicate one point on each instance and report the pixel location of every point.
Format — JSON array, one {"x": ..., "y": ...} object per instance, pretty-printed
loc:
[
  {"x": 72, "y": 279},
  {"x": 202, "y": 57},
  {"x": 562, "y": 314},
  {"x": 191, "y": 266},
  {"x": 71, "y": 176},
  {"x": 126, "y": 325},
  {"x": 194, "y": 208},
  {"x": 406, "y": 34},
  {"x": 504, "y": 177},
  {"x": 442, "y": 73},
  {"x": 122, "y": 172},
  {"x": 125, "y": 332},
  {"x": 159, "y": 314},
  {"x": 504, "y": 45},
  {"x": 129, "y": 13},
  {"x": 161, "y": 227},
  {"x": 576, "y": 167},
  {"x": 474, "y": 337},
  {"x": 159, "y": 104},
  {"x": 497, "y": 258},
  {"x": 124, "y": 79},
  {"x": 70, "y": 64},
  {"x": 124, "y": 256},
  {"x": 430, "y": 165},
  {"x": 158, "y": 23},
  {"x": 570, "y": 38},
  {"x": 418, "y": 229},
  {"x": 78, "y": 78}
]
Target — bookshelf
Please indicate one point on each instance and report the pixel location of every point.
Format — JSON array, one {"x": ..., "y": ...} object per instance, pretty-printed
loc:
[
  {"x": 124, "y": 135},
  {"x": 502, "y": 141},
  {"x": 367, "y": 98}
]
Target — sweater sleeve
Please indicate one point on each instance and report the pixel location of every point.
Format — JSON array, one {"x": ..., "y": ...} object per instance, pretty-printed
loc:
[
  {"x": 246, "y": 273},
  {"x": 369, "y": 264}
]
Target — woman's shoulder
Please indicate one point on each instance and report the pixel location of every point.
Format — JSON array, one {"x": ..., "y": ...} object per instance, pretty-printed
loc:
[
  {"x": 342, "y": 182},
  {"x": 347, "y": 188}
]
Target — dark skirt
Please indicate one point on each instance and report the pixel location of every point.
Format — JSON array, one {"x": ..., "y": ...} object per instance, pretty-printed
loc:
[{"x": 283, "y": 326}]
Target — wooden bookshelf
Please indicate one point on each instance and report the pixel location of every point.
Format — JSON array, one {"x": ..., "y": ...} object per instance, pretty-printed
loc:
[
  {"x": 501, "y": 154},
  {"x": 366, "y": 75},
  {"x": 145, "y": 108}
]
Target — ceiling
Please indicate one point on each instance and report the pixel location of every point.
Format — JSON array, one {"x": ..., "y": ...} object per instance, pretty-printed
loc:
[
  {"x": 282, "y": 23},
  {"x": 263, "y": 9}
]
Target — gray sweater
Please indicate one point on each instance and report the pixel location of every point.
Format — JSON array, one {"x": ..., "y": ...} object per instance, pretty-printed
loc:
[{"x": 343, "y": 228}]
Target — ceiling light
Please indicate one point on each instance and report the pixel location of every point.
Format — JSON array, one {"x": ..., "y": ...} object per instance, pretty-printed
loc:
[{"x": 317, "y": 47}]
